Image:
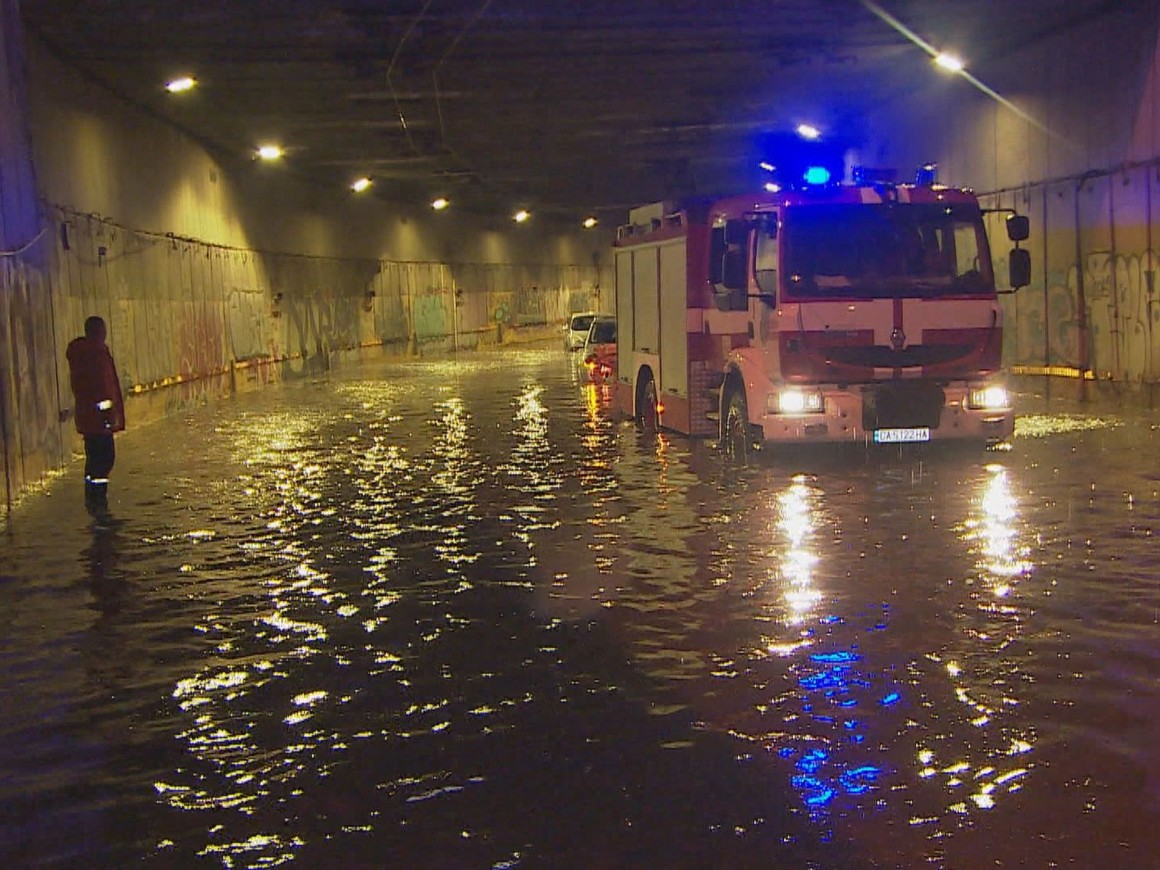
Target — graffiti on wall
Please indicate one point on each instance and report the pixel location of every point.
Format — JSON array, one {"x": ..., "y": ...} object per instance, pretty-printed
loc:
[
  {"x": 31, "y": 413},
  {"x": 430, "y": 313},
  {"x": 191, "y": 322},
  {"x": 1123, "y": 315}
]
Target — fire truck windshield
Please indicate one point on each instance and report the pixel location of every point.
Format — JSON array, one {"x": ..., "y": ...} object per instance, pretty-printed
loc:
[{"x": 888, "y": 250}]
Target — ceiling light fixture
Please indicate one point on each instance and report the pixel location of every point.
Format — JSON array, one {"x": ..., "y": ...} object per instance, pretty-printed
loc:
[
  {"x": 185, "y": 83},
  {"x": 589, "y": 223},
  {"x": 440, "y": 203},
  {"x": 361, "y": 184},
  {"x": 520, "y": 216},
  {"x": 808, "y": 131},
  {"x": 270, "y": 152},
  {"x": 949, "y": 62}
]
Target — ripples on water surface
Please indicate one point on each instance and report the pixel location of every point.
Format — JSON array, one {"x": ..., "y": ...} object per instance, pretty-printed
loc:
[{"x": 451, "y": 614}]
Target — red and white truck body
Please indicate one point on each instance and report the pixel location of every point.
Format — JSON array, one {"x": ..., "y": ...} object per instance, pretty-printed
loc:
[{"x": 830, "y": 314}]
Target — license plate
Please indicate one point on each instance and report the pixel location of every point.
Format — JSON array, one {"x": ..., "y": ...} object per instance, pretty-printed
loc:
[{"x": 901, "y": 436}]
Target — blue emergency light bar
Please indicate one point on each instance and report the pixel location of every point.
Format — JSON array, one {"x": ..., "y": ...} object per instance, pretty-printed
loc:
[{"x": 816, "y": 175}]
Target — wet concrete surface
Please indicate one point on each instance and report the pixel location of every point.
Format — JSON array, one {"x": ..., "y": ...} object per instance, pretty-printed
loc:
[{"x": 452, "y": 614}]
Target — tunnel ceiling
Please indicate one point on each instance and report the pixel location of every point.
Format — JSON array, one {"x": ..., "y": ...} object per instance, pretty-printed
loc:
[{"x": 563, "y": 107}]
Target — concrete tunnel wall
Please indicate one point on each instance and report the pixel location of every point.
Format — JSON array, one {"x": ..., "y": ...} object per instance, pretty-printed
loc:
[
  {"x": 1076, "y": 151},
  {"x": 216, "y": 279}
]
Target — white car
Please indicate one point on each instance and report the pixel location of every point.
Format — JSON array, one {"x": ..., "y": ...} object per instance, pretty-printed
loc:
[{"x": 576, "y": 329}]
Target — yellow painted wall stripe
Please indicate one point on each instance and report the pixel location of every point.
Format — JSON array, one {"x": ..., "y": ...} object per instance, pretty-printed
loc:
[{"x": 1053, "y": 371}]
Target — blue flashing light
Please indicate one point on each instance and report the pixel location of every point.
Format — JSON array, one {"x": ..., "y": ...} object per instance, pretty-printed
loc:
[
  {"x": 892, "y": 698},
  {"x": 786, "y": 751},
  {"x": 816, "y": 175}
]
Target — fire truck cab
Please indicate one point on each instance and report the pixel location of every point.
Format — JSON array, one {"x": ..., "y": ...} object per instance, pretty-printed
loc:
[{"x": 837, "y": 313}]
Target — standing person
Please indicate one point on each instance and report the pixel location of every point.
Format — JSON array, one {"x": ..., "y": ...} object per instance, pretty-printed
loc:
[{"x": 99, "y": 407}]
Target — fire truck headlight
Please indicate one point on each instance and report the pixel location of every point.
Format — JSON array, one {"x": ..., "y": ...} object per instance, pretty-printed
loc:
[
  {"x": 795, "y": 401},
  {"x": 988, "y": 399}
]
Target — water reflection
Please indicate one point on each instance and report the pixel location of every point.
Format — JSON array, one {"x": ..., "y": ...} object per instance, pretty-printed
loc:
[
  {"x": 478, "y": 622},
  {"x": 262, "y": 636},
  {"x": 796, "y": 521},
  {"x": 984, "y": 664}
]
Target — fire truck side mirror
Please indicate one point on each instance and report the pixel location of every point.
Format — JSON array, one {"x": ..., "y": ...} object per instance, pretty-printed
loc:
[
  {"x": 1019, "y": 267},
  {"x": 1018, "y": 227}
]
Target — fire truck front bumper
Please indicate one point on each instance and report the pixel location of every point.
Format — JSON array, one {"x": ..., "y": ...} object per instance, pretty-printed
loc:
[{"x": 893, "y": 412}]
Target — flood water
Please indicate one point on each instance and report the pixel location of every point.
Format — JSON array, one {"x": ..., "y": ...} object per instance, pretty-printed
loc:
[{"x": 452, "y": 614}]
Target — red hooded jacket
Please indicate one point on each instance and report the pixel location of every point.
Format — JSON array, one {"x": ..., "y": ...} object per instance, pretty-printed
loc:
[{"x": 95, "y": 383}]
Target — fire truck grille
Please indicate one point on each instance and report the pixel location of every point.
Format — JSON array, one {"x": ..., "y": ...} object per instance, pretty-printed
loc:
[
  {"x": 911, "y": 405},
  {"x": 878, "y": 356}
]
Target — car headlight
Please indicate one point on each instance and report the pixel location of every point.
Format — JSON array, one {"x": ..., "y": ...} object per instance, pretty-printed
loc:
[
  {"x": 988, "y": 399},
  {"x": 795, "y": 401}
]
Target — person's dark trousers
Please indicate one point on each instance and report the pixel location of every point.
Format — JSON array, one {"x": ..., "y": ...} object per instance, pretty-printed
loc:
[{"x": 100, "y": 454}]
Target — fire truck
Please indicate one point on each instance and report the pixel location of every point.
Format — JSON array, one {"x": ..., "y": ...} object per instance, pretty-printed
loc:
[{"x": 862, "y": 313}]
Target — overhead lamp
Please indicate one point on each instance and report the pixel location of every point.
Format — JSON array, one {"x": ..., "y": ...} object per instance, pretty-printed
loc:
[
  {"x": 180, "y": 85},
  {"x": 766, "y": 165},
  {"x": 808, "y": 131},
  {"x": 520, "y": 216},
  {"x": 589, "y": 223},
  {"x": 270, "y": 152},
  {"x": 360, "y": 184},
  {"x": 772, "y": 187},
  {"x": 440, "y": 203},
  {"x": 949, "y": 62}
]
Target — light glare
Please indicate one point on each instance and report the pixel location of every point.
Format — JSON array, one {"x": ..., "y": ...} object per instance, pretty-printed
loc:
[
  {"x": 520, "y": 216},
  {"x": 816, "y": 175},
  {"x": 440, "y": 203},
  {"x": 270, "y": 152},
  {"x": 185, "y": 83},
  {"x": 808, "y": 131},
  {"x": 360, "y": 184},
  {"x": 949, "y": 62},
  {"x": 589, "y": 223},
  {"x": 990, "y": 399},
  {"x": 772, "y": 187}
]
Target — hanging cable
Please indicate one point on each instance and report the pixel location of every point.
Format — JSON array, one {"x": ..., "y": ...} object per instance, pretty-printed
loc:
[
  {"x": 16, "y": 252},
  {"x": 435, "y": 72},
  {"x": 391, "y": 66}
]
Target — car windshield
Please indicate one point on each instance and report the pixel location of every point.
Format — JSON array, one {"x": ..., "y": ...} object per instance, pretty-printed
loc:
[
  {"x": 603, "y": 332},
  {"x": 581, "y": 322},
  {"x": 888, "y": 250}
]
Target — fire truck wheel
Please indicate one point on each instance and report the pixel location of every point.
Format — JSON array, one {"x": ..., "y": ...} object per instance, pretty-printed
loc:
[
  {"x": 735, "y": 437},
  {"x": 647, "y": 417}
]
